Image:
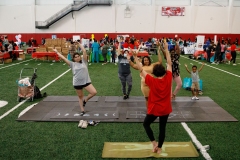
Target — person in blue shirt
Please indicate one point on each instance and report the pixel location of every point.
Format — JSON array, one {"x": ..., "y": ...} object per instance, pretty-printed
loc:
[{"x": 95, "y": 51}]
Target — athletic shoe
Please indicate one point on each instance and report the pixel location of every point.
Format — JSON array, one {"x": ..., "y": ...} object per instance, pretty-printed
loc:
[
  {"x": 234, "y": 64},
  {"x": 89, "y": 64},
  {"x": 84, "y": 125},
  {"x": 82, "y": 113},
  {"x": 80, "y": 124},
  {"x": 193, "y": 98},
  {"x": 125, "y": 97},
  {"x": 84, "y": 103},
  {"x": 213, "y": 63},
  {"x": 196, "y": 98},
  {"x": 229, "y": 62}
]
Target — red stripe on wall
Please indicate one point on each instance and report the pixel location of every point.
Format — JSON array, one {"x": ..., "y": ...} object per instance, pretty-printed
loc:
[{"x": 145, "y": 36}]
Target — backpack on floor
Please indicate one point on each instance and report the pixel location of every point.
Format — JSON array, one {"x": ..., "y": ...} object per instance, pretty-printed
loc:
[{"x": 37, "y": 93}]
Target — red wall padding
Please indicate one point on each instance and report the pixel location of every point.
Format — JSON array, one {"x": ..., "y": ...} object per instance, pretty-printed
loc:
[{"x": 145, "y": 36}]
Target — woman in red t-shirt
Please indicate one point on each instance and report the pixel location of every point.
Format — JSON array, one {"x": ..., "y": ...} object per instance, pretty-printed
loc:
[
  {"x": 159, "y": 100},
  {"x": 233, "y": 53}
]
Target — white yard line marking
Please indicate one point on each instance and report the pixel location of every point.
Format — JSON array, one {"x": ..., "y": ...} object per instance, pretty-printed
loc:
[
  {"x": 215, "y": 68},
  {"x": 26, "y": 64},
  {"x": 15, "y": 64},
  {"x": 3, "y": 103},
  {"x": 26, "y": 109},
  {"x": 51, "y": 64},
  {"x": 8, "y": 112},
  {"x": 197, "y": 143},
  {"x": 39, "y": 64}
]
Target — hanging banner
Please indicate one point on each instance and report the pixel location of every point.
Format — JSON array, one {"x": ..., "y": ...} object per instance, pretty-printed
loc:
[
  {"x": 215, "y": 39},
  {"x": 54, "y": 36},
  {"x": 173, "y": 11},
  {"x": 85, "y": 43},
  {"x": 200, "y": 43},
  {"x": 124, "y": 37},
  {"x": 76, "y": 37}
]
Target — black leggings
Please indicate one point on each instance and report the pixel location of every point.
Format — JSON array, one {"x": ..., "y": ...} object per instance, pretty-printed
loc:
[
  {"x": 234, "y": 55},
  {"x": 104, "y": 57},
  {"x": 162, "y": 128}
]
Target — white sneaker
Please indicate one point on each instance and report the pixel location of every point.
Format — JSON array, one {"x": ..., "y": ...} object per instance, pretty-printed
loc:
[
  {"x": 193, "y": 98},
  {"x": 196, "y": 98},
  {"x": 234, "y": 64},
  {"x": 80, "y": 123},
  {"x": 85, "y": 124},
  {"x": 89, "y": 64},
  {"x": 213, "y": 63}
]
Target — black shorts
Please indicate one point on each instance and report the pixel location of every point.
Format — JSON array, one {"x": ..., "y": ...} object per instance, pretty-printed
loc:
[{"x": 81, "y": 86}]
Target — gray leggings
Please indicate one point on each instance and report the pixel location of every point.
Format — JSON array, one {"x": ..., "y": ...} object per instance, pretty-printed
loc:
[{"x": 126, "y": 79}]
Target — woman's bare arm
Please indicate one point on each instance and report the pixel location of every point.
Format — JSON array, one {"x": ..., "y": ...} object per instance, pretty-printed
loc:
[
  {"x": 84, "y": 52},
  {"x": 142, "y": 72},
  {"x": 169, "y": 62},
  {"x": 62, "y": 57}
]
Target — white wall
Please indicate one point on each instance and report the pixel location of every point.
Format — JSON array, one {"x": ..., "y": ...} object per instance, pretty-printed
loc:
[
  {"x": 17, "y": 19},
  {"x": 91, "y": 18},
  {"x": 235, "y": 21},
  {"x": 140, "y": 21},
  {"x": 110, "y": 19},
  {"x": 210, "y": 19}
]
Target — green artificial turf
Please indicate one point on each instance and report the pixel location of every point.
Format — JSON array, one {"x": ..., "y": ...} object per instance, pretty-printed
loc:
[{"x": 64, "y": 140}]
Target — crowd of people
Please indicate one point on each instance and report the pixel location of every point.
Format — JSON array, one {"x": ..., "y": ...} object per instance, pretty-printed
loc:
[
  {"x": 158, "y": 96},
  {"x": 156, "y": 81},
  {"x": 8, "y": 46},
  {"x": 220, "y": 49}
]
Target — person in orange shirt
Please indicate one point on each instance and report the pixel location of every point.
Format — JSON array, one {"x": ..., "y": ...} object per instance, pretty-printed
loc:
[{"x": 159, "y": 101}]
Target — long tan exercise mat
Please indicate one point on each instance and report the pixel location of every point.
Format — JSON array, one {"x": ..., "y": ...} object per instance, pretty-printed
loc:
[{"x": 144, "y": 150}]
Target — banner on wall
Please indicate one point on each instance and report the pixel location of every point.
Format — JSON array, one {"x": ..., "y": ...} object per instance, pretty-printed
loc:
[
  {"x": 200, "y": 43},
  {"x": 85, "y": 43},
  {"x": 124, "y": 37},
  {"x": 173, "y": 11},
  {"x": 18, "y": 38},
  {"x": 54, "y": 36},
  {"x": 215, "y": 39},
  {"x": 76, "y": 37}
]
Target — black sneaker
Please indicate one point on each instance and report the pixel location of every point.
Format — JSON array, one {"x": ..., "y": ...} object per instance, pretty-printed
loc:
[
  {"x": 84, "y": 103},
  {"x": 125, "y": 97},
  {"x": 82, "y": 113}
]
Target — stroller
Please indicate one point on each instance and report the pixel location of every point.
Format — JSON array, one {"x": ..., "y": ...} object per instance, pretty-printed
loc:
[{"x": 26, "y": 86}]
